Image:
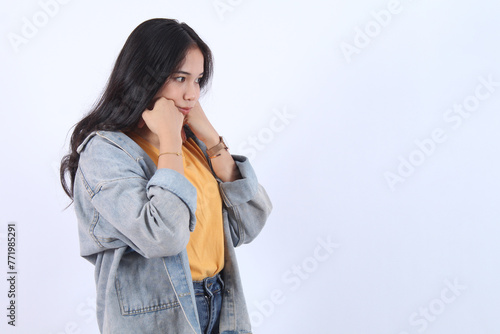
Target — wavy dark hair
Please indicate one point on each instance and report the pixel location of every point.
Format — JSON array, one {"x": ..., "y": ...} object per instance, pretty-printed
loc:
[{"x": 152, "y": 52}]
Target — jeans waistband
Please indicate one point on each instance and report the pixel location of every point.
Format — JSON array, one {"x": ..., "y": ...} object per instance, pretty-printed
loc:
[{"x": 209, "y": 284}]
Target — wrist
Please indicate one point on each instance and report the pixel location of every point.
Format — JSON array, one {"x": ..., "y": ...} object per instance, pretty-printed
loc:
[
  {"x": 168, "y": 143},
  {"x": 216, "y": 150},
  {"x": 212, "y": 140}
]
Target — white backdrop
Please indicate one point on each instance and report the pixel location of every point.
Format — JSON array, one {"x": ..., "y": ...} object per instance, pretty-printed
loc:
[{"x": 372, "y": 124}]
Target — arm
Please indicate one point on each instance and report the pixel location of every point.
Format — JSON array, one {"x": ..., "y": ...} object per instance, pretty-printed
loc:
[
  {"x": 247, "y": 203},
  {"x": 161, "y": 126},
  {"x": 223, "y": 165},
  {"x": 153, "y": 217}
]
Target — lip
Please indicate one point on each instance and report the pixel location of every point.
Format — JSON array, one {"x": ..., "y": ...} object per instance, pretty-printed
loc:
[{"x": 185, "y": 111}]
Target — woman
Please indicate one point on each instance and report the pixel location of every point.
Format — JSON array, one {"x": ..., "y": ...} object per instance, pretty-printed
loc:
[{"x": 160, "y": 202}]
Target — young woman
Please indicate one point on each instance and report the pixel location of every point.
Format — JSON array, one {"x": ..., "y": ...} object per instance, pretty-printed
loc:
[{"x": 160, "y": 202}]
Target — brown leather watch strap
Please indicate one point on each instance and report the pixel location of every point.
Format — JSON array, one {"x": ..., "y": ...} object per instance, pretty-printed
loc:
[{"x": 214, "y": 151}]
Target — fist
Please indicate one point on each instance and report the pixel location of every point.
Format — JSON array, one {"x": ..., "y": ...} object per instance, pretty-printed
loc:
[{"x": 162, "y": 117}]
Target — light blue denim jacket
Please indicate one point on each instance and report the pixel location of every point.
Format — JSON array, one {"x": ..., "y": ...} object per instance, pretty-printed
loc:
[{"x": 134, "y": 222}]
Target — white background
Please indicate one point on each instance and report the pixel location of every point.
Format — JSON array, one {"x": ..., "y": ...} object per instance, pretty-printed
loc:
[{"x": 347, "y": 120}]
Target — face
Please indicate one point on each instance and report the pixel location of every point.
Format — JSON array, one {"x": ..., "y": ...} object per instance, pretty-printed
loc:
[{"x": 183, "y": 87}]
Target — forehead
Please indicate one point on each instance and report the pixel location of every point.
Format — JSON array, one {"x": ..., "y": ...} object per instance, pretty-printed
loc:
[{"x": 193, "y": 62}]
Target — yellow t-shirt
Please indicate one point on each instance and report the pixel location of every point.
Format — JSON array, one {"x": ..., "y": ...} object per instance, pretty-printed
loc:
[{"x": 206, "y": 244}]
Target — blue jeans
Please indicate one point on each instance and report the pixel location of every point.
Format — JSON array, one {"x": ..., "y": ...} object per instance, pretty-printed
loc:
[{"x": 208, "y": 296}]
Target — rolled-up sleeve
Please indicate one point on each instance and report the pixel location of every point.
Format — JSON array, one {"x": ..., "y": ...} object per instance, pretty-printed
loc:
[{"x": 247, "y": 203}]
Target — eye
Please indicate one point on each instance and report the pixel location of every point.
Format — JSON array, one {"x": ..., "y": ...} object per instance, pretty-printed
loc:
[
  {"x": 180, "y": 79},
  {"x": 198, "y": 79}
]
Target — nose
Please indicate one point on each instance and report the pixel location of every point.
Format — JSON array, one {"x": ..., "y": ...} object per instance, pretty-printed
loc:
[{"x": 191, "y": 92}]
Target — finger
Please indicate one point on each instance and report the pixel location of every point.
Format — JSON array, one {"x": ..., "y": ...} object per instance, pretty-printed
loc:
[{"x": 152, "y": 104}]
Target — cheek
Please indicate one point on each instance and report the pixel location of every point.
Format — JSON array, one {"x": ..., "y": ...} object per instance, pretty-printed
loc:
[{"x": 169, "y": 91}]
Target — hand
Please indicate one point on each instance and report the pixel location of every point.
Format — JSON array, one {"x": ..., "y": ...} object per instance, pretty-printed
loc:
[
  {"x": 201, "y": 126},
  {"x": 164, "y": 119}
]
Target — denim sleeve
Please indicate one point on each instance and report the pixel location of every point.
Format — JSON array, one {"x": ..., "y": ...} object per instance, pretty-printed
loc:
[
  {"x": 247, "y": 203},
  {"x": 154, "y": 217}
]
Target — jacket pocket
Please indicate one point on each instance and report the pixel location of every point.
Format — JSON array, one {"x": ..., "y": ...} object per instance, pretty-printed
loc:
[{"x": 143, "y": 286}]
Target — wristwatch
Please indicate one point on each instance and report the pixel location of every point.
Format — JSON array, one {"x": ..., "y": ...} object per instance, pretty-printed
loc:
[{"x": 214, "y": 151}]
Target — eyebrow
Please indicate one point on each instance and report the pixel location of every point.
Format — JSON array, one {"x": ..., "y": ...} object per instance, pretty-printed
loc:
[{"x": 186, "y": 73}]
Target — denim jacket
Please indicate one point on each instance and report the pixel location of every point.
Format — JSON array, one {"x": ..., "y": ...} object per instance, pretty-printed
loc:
[{"x": 134, "y": 222}]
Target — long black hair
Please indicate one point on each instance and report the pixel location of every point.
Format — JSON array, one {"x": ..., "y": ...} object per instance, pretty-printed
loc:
[{"x": 152, "y": 52}]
